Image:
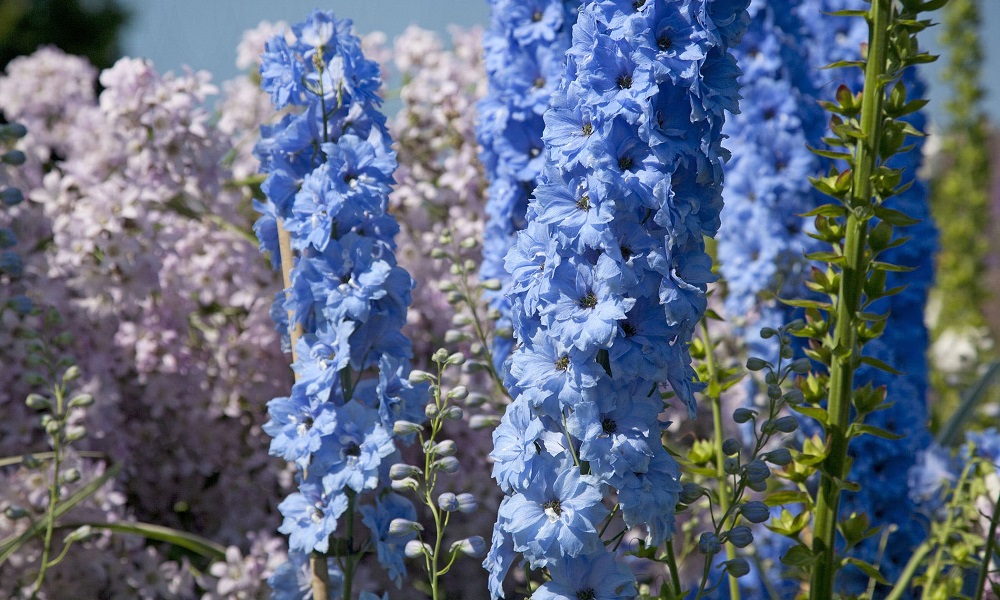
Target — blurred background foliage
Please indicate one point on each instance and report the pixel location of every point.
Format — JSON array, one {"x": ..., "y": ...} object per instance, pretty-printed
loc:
[{"x": 90, "y": 28}]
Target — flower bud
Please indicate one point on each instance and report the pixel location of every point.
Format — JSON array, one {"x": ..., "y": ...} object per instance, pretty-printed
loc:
[
  {"x": 802, "y": 365},
  {"x": 37, "y": 402},
  {"x": 474, "y": 546},
  {"x": 690, "y": 492},
  {"x": 709, "y": 543},
  {"x": 756, "y": 364},
  {"x": 737, "y": 567},
  {"x": 11, "y": 196},
  {"x": 431, "y": 410},
  {"x": 476, "y": 400},
  {"x": 742, "y": 415},
  {"x": 416, "y": 549},
  {"x": 79, "y": 534},
  {"x": 755, "y": 511},
  {"x": 418, "y": 376},
  {"x": 15, "y": 512},
  {"x": 71, "y": 475},
  {"x": 404, "y": 485},
  {"x": 740, "y": 536},
  {"x": 399, "y": 527},
  {"x": 75, "y": 432},
  {"x": 81, "y": 401},
  {"x": 456, "y": 358},
  {"x": 780, "y": 457},
  {"x": 794, "y": 397},
  {"x": 406, "y": 428},
  {"x": 492, "y": 285},
  {"x": 773, "y": 392},
  {"x": 13, "y": 157},
  {"x": 459, "y": 392},
  {"x": 448, "y": 464},
  {"x": 71, "y": 374},
  {"x": 466, "y": 503},
  {"x": 445, "y": 448},
  {"x": 756, "y": 471},
  {"x": 731, "y": 465},
  {"x": 453, "y": 413},
  {"x": 730, "y": 447},
  {"x": 484, "y": 421},
  {"x": 448, "y": 502},
  {"x": 401, "y": 471}
]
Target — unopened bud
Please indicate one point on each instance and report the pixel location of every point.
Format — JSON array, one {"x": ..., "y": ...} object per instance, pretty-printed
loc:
[
  {"x": 467, "y": 503},
  {"x": 448, "y": 464},
  {"x": 737, "y": 567},
  {"x": 740, "y": 536},
  {"x": 755, "y": 511},
  {"x": 448, "y": 502},
  {"x": 406, "y": 428},
  {"x": 709, "y": 543},
  {"x": 416, "y": 549},
  {"x": 474, "y": 546},
  {"x": 400, "y": 527}
]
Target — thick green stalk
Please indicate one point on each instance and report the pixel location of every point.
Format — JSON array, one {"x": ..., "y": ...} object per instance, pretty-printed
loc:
[
  {"x": 855, "y": 272},
  {"x": 54, "y": 489}
]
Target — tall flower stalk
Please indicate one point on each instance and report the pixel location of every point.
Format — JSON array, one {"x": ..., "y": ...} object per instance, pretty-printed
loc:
[
  {"x": 525, "y": 49},
  {"x": 329, "y": 167},
  {"x": 608, "y": 286}
]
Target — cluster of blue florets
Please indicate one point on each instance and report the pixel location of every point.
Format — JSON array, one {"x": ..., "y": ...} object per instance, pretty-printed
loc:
[
  {"x": 525, "y": 51},
  {"x": 608, "y": 283},
  {"x": 329, "y": 169},
  {"x": 763, "y": 235}
]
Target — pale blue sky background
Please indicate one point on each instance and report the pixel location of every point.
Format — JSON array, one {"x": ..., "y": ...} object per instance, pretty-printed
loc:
[{"x": 204, "y": 33}]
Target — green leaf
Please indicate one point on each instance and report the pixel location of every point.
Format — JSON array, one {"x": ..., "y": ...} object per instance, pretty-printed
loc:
[
  {"x": 10, "y": 545},
  {"x": 884, "y": 266},
  {"x": 807, "y": 304},
  {"x": 869, "y": 570},
  {"x": 846, "y": 63},
  {"x": 895, "y": 217},
  {"x": 181, "y": 539},
  {"x": 878, "y": 364},
  {"x": 787, "y": 497},
  {"x": 830, "y": 153},
  {"x": 949, "y": 434},
  {"x": 857, "y": 429},
  {"x": 827, "y": 210},
  {"x": 820, "y": 414},
  {"x": 799, "y": 556}
]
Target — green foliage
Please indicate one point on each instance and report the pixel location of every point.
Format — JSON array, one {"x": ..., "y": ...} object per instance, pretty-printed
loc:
[{"x": 87, "y": 28}]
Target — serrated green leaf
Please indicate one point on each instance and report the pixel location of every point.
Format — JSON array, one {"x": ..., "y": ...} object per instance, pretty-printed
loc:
[
  {"x": 830, "y": 153},
  {"x": 807, "y": 304},
  {"x": 826, "y": 210}
]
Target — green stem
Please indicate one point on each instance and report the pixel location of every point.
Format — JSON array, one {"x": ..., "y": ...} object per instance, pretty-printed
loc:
[
  {"x": 349, "y": 569},
  {"x": 54, "y": 488},
  {"x": 956, "y": 499},
  {"x": 720, "y": 456},
  {"x": 855, "y": 271},
  {"x": 988, "y": 552},
  {"x": 901, "y": 585},
  {"x": 675, "y": 577}
]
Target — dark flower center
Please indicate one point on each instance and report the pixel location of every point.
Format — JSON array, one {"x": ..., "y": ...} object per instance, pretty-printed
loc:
[
  {"x": 769, "y": 114},
  {"x": 533, "y": 152},
  {"x": 536, "y": 16},
  {"x": 638, "y": 4},
  {"x": 349, "y": 177},
  {"x": 588, "y": 301},
  {"x": 540, "y": 82},
  {"x": 609, "y": 425},
  {"x": 352, "y": 449},
  {"x": 629, "y": 329},
  {"x": 307, "y": 422},
  {"x": 624, "y": 81},
  {"x": 588, "y": 129},
  {"x": 625, "y": 163},
  {"x": 584, "y": 202},
  {"x": 626, "y": 252},
  {"x": 318, "y": 515},
  {"x": 587, "y": 594},
  {"x": 554, "y": 506},
  {"x": 664, "y": 42},
  {"x": 563, "y": 363}
]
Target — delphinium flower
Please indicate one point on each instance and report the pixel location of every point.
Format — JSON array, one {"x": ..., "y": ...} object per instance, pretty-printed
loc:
[
  {"x": 880, "y": 465},
  {"x": 608, "y": 283},
  {"x": 763, "y": 235},
  {"x": 525, "y": 48},
  {"x": 329, "y": 169}
]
